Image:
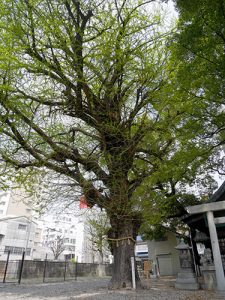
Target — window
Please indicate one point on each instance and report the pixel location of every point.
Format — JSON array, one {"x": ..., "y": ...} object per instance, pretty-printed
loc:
[
  {"x": 28, "y": 251},
  {"x": 7, "y": 249},
  {"x": 66, "y": 240},
  {"x": 22, "y": 227},
  {"x": 2, "y": 203},
  {"x": 73, "y": 241},
  {"x": 71, "y": 248},
  {"x": 18, "y": 250},
  {"x": 1, "y": 211}
]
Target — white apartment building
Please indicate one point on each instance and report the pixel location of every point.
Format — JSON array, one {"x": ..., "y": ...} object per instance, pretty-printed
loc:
[
  {"x": 22, "y": 230},
  {"x": 18, "y": 228},
  {"x": 17, "y": 234},
  {"x": 66, "y": 227},
  {"x": 72, "y": 228}
]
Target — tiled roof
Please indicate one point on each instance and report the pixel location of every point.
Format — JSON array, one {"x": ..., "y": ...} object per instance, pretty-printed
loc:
[{"x": 219, "y": 195}]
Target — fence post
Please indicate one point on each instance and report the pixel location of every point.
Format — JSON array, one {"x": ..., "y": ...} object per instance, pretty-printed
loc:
[
  {"x": 65, "y": 271},
  {"x": 21, "y": 267},
  {"x": 45, "y": 264},
  {"x": 6, "y": 266},
  {"x": 76, "y": 261}
]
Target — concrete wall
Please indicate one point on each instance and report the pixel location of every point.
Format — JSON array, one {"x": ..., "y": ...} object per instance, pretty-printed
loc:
[
  {"x": 12, "y": 270},
  {"x": 164, "y": 255}
]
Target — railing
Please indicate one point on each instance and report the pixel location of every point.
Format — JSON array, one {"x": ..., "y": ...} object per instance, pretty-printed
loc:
[{"x": 24, "y": 270}]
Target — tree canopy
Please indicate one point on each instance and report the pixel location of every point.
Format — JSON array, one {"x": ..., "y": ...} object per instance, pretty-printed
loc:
[
  {"x": 87, "y": 91},
  {"x": 199, "y": 47}
]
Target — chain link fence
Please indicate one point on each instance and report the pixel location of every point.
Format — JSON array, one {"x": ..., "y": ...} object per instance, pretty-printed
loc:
[{"x": 23, "y": 270}]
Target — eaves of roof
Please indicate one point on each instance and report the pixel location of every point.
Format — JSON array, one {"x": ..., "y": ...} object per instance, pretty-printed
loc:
[{"x": 219, "y": 195}]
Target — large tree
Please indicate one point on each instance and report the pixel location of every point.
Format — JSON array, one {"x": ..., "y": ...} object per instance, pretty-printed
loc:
[{"x": 85, "y": 92}]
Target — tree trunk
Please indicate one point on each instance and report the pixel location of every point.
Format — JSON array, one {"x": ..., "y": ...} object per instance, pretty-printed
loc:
[
  {"x": 122, "y": 238},
  {"x": 101, "y": 257}
]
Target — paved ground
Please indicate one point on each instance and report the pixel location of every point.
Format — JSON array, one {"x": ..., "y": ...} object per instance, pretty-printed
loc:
[{"x": 96, "y": 289}]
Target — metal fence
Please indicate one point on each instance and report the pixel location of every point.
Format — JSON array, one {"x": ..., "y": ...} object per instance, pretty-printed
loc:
[{"x": 23, "y": 270}]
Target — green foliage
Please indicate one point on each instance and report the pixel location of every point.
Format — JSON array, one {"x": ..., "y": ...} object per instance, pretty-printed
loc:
[
  {"x": 90, "y": 92},
  {"x": 196, "y": 85},
  {"x": 73, "y": 260},
  {"x": 156, "y": 232},
  {"x": 199, "y": 46}
]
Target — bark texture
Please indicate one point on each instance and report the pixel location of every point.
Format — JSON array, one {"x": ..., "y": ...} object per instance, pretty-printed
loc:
[{"x": 122, "y": 239}]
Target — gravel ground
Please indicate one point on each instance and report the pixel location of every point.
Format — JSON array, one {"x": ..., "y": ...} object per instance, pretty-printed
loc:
[{"x": 96, "y": 289}]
